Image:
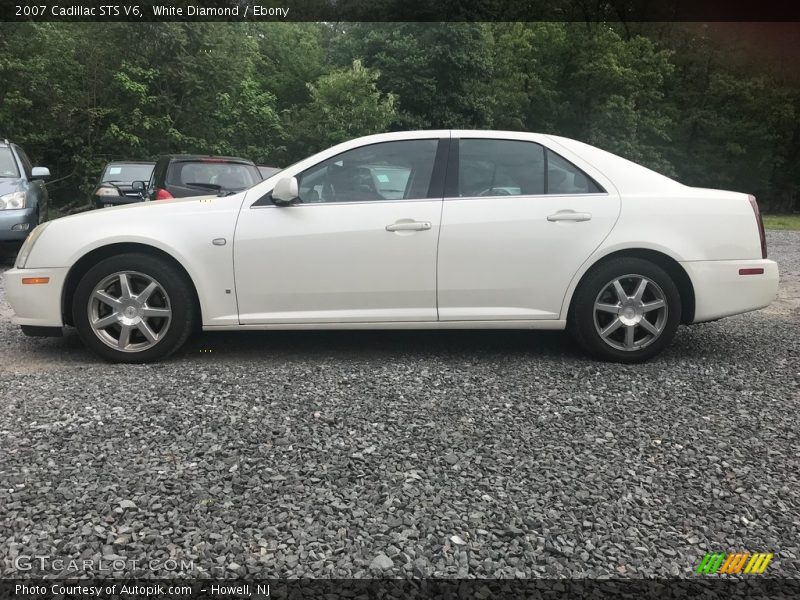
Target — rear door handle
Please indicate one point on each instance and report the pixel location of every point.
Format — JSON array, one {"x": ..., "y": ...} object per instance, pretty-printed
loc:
[
  {"x": 409, "y": 226},
  {"x": 569, "y": 215}
]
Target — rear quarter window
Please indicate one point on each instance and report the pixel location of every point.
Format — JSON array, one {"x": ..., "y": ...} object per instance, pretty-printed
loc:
[{"x": 565, "y": 178}]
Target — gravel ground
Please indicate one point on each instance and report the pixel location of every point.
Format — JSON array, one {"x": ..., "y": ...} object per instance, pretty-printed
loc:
[{"x": 448, "y": 454}]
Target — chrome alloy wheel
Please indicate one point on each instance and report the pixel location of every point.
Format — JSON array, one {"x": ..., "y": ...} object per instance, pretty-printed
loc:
[
  {"x": 129, "y": 311},
  {"x": 630, "y": 312}
]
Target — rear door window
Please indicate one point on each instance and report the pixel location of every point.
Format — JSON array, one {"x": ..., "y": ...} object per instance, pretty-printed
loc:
[{"x": 500, "y": 168}]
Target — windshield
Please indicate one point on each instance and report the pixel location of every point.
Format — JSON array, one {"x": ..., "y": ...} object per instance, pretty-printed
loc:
[
  {"x": 213, "y": 176},
  {"x": 8, "y": 166},
  {"x": 267, "y": 172},
  {"x": 127, "y": 173}
]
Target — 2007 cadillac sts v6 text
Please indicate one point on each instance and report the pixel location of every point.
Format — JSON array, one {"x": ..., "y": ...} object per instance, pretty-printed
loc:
[{"x": 423, "y": 229}]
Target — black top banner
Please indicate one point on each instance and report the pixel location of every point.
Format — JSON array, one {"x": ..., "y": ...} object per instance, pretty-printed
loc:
[{"x": 399, "y": 10}]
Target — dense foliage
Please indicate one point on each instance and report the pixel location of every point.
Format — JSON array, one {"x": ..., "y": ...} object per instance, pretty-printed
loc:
[{"x": 670, "y": 96}]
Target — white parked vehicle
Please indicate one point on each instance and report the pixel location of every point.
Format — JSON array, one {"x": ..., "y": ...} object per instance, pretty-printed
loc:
[{"x": 410, "y": 230}]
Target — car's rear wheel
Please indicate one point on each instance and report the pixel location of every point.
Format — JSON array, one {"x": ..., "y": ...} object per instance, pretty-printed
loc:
[
  {"x": 133, "y": 308},
  {"x": 625, "y": 310}
]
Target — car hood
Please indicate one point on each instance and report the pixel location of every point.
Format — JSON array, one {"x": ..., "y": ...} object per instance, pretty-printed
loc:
[
  {"x": 9, "y": 184},
  {"x": 161, "y": 224},
  {"x": 174, "y": 206}
]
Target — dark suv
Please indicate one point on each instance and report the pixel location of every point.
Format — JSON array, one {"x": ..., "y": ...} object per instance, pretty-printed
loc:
[
  {"x": 115, "y": 185},
  {"x": 181, "y": 176},
  {"x": 23, "y": 195}
]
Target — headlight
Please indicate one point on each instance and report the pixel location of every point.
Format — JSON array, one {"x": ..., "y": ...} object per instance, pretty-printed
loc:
[
  {"x": 12, "y": 200},
  {"x": 27, "y": 246},
  {"x": 106, "y": 191}
]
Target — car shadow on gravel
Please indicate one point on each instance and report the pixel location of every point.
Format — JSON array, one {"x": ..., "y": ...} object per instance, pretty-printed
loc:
[
  {"x": 711, "y": 342},
  {"x": 256, "y": 345}
]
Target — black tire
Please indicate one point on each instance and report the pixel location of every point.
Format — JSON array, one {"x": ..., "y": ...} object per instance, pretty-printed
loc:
[
  {"x": 180, "y": 299},
  {"x": 9, "y": 251},
  {"x": 583, "y": 323}
]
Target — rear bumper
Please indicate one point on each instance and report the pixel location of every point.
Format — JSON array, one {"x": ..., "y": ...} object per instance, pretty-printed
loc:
[
  {"x": 37, "y": 305},
  {"x": 23, "y": 219},
  {"x": 720, "y": 291}
]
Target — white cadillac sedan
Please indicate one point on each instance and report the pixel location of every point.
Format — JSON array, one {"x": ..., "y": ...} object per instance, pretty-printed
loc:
[{"x": 410, "y": 230}]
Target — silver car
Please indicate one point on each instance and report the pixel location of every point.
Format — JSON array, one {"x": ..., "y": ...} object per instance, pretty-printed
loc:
[{"x": 23, "y": 195}]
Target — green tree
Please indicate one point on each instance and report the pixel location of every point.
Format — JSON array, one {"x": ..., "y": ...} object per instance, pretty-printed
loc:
[
  {"x": 440, "y": 73},
  {"x": 344, "y": 104}
]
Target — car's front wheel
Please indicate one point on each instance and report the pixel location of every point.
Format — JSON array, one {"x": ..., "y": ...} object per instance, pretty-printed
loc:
[
  {"x": 133, "y": 308},
  {"x": 625, "y": 310}
]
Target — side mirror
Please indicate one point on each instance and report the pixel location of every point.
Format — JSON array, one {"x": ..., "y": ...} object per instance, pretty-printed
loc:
[
  {"x": 286, "y": 191},
  {"x": 40, "y": 173},
  {"x": 137, "y": 186}
]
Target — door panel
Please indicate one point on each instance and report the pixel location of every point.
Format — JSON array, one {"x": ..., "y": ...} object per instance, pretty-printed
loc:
[
  {"x": 512, "y": 254},
  {"x": 500, "y": 258},
  {"x": 359, "y": 244},
  {"x": 337, "y": 263}
]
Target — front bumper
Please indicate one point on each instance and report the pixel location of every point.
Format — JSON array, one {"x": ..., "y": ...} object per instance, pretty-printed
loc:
[
  {"x": 720, "y": 291},
  {"x": 37, "y": 305},
  {"x": 16, "y": 224}
]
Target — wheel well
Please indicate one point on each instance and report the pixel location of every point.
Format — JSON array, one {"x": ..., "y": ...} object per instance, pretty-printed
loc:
[
  {"x": 669, "y": 264},
  {"x": 87, "y": 261}
]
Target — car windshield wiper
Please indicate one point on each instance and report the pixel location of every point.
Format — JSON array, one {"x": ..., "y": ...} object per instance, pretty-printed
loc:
[{"x": 206, "y": 186}]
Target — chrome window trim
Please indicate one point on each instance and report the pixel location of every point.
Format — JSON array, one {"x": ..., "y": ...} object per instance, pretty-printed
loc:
[
  {"x": 580, "y": 195},
  {"x": 311, "y": 204}
]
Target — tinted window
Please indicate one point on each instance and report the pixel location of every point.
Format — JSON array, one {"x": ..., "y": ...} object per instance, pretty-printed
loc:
[
  {"x": 127, "y": 173},
  {"x": 386, "y": 171},
  {"x": 26, "y": 162},
  {"x": 212, "y": 175},
  {"x": 8, "y": 166},
  {"x": 267, "y": 172},
  {"x": 500, "y": 168},
  {"x": 565, "y": 178}
]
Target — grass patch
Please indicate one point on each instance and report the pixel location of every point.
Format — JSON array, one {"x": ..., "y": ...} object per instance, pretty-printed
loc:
[{"x": 790, "y": 222}]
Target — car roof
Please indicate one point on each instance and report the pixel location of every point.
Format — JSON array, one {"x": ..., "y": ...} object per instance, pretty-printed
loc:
[
  {"x": 130, "y": 162},
  {"x": 188, "y": 157}
]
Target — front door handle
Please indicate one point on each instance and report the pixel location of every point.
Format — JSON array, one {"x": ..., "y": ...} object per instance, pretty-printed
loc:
[
  {"x": 569, "y": 215},
  {"x": 409, "y": 226}
]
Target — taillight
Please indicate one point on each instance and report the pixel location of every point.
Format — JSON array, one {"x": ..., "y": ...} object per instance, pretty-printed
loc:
[
  {"x": 760, "y": 222},
  {"x": 162, "y": 194}
]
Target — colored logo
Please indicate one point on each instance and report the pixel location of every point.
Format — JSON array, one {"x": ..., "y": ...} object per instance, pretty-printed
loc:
[{"x": 733, "y": 563}]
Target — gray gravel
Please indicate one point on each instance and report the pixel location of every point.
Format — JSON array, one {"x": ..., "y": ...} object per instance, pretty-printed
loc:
[{"x": 448, "y": 454}]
